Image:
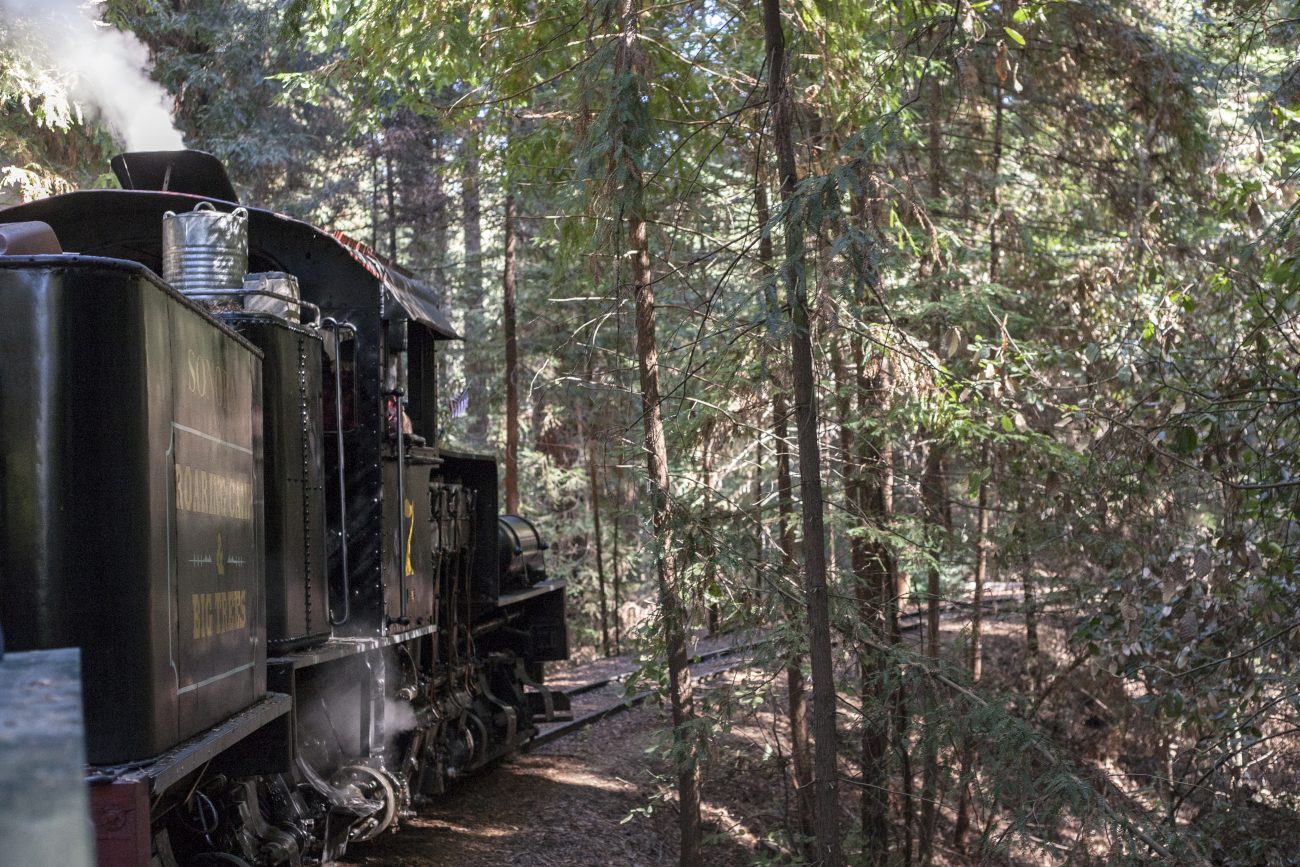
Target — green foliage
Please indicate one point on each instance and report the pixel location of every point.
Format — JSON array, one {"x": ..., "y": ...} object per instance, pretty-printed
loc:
[
  {"x": 49, "y": 145},
  {"x": 1055, "y": 243}
]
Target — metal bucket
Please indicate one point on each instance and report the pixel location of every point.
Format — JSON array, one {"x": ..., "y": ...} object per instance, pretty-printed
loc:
[
  {"x": 205, "y": 249},
  {"x": 277, "y": 294}
]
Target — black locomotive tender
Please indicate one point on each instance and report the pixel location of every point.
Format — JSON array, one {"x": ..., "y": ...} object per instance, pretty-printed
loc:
[{"x": 296, "y": 611}]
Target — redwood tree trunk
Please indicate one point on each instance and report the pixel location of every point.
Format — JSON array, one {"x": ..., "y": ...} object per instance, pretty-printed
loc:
[
  {"x": 983, "y": 546},
  {"x": 873, "y": 566},
  {"x": 475, "y": 324},
  {"x": 934, "y": 500},
  {"x": 975, "y": 660},
  {"x": 512, "y": 363},
  {"x": 933, "y": 495},
  {"x": 825, "y": 782},
  {"x": 671, "y": 604},
  {"x": 618, "y": 577},
  {"x": 670, "y": 601},
  {"x": 594, "y": 476},
  {"x": 797, "y": 697},
  {"x": 438, "y": 219}
]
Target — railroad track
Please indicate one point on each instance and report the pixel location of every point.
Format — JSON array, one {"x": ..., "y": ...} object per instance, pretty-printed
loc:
[
  {"x": 907, "y": 623},
  {"x": 624, "y": 675},
  {"x": 628, "y": 702}
]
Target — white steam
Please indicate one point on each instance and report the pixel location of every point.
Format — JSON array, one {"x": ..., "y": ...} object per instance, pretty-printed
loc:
[
  {"x": 399, "y": 716},
  {"x": 105, "y": 70}
]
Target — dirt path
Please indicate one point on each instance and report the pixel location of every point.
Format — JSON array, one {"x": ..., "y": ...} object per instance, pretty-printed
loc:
[
  {"x": 595, "y": 798},
  {"x": 561, "y": 805},
  {"x": 603, "y": 797}
]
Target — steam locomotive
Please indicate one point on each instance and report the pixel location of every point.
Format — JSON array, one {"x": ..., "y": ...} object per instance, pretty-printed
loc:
[{"x": 297, "y": 612}]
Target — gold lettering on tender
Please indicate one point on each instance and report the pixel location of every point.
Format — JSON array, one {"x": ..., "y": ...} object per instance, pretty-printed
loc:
[
  {"x": 193, "y": 379},
  {"x": 213, "y": 494},
  {"x": 208, "y": 380},
  {"x": 219, "y": 613}
]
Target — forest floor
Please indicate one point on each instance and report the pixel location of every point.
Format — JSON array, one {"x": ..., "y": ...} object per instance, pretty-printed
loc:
[
  {"x": 597, "y": 797},
  {"x": 604, "y": 797}
]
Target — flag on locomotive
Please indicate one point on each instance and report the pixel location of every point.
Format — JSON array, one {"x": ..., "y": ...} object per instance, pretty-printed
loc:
[{"x": 459, "y": 405}]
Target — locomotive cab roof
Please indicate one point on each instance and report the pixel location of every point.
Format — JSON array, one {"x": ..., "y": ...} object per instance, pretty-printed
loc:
[{"x": 336, "y": 272}]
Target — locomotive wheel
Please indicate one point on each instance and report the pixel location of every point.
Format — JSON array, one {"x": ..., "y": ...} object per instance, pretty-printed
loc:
[{"x": 374, "y": 786}]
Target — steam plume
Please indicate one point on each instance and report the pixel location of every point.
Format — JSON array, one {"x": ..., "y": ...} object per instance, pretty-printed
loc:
[{"x": 104, "y": 68}]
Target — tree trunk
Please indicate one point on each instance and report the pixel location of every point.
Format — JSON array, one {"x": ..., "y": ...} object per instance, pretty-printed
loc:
[
  {"x": 893, "y": 601},
  {"x": 1033, "y": 669},
  {"x": 797, "y": 699},
  {"x": 475, "y": 318},
  {"x": 995, "y": 249},
  {"x": 671, "y": 604},
  {"x": 374, "y": 194},
  {"x": 512, "y": 370},
  {"x": 975, "y": 658},
  {"x": 982, "y": 548},
  {"x": 825, "y": 782},
  {"x": 872, "y": 564},
  {"x": 934, "y": 500},
  {"x": 933, "y": 497},
  {"x": 670, "y": 601},
  {"x": 618, "y": 577},
  {"x": 713, "y": 612},
  {"x": 438, "y": 219},
  {"x": 600, "y": 555},
  {"x": 390, "y": 183},
  {"x": 756, "y": 514}
]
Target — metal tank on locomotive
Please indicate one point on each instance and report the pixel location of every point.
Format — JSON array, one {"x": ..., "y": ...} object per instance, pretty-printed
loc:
[{"x": 297, "y": 612}]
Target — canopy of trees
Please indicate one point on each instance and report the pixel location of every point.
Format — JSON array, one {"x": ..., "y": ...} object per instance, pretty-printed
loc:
[{"x": 803, "y": 315}]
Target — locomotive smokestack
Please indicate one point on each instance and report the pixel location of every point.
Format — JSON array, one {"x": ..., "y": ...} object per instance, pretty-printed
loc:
[
  {"x": 103, "y": 68},
  {"x": 193, "y": 172}
]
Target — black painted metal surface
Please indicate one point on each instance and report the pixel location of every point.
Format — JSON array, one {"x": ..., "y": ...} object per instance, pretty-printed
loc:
[
  {"x": 407, "y": 548},
  {"x": 522, "y": 562},
  {"x": 129, "y": 521},
  {"x": 130, "y": 508},
  {"x": 296, "y": 582},
  {"x": 193, "y": 172},
  {"x": 478, "y": 473},
  {"x": 349, "y": 283}
]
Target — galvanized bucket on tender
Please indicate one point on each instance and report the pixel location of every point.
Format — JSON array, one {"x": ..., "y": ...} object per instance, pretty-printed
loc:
[
  {"x": 205, "y": 249},
  {"x": 275, "y": 292}
]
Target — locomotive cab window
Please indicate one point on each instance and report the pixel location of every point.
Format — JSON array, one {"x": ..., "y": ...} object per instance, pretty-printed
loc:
[
  {"x": 346, "y": 379},
  {"x": 422, "y": 383}
]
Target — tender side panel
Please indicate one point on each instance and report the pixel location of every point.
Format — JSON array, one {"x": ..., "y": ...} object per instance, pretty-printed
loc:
[
  {"x": 216, "y": 513},
  {"x": 96, "y": 416}
]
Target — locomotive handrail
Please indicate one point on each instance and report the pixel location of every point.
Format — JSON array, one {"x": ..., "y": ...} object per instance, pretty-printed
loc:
[
  {"x": 337, "y": 328},
  {"x": 396, "y": 394}
]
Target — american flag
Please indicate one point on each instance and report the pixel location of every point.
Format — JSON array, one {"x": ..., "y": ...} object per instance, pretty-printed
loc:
[{"x": 459, "y": 404}]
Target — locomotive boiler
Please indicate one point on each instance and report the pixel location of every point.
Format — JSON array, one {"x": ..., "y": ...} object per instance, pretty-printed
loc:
[{"x": 297, "y": 611}]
